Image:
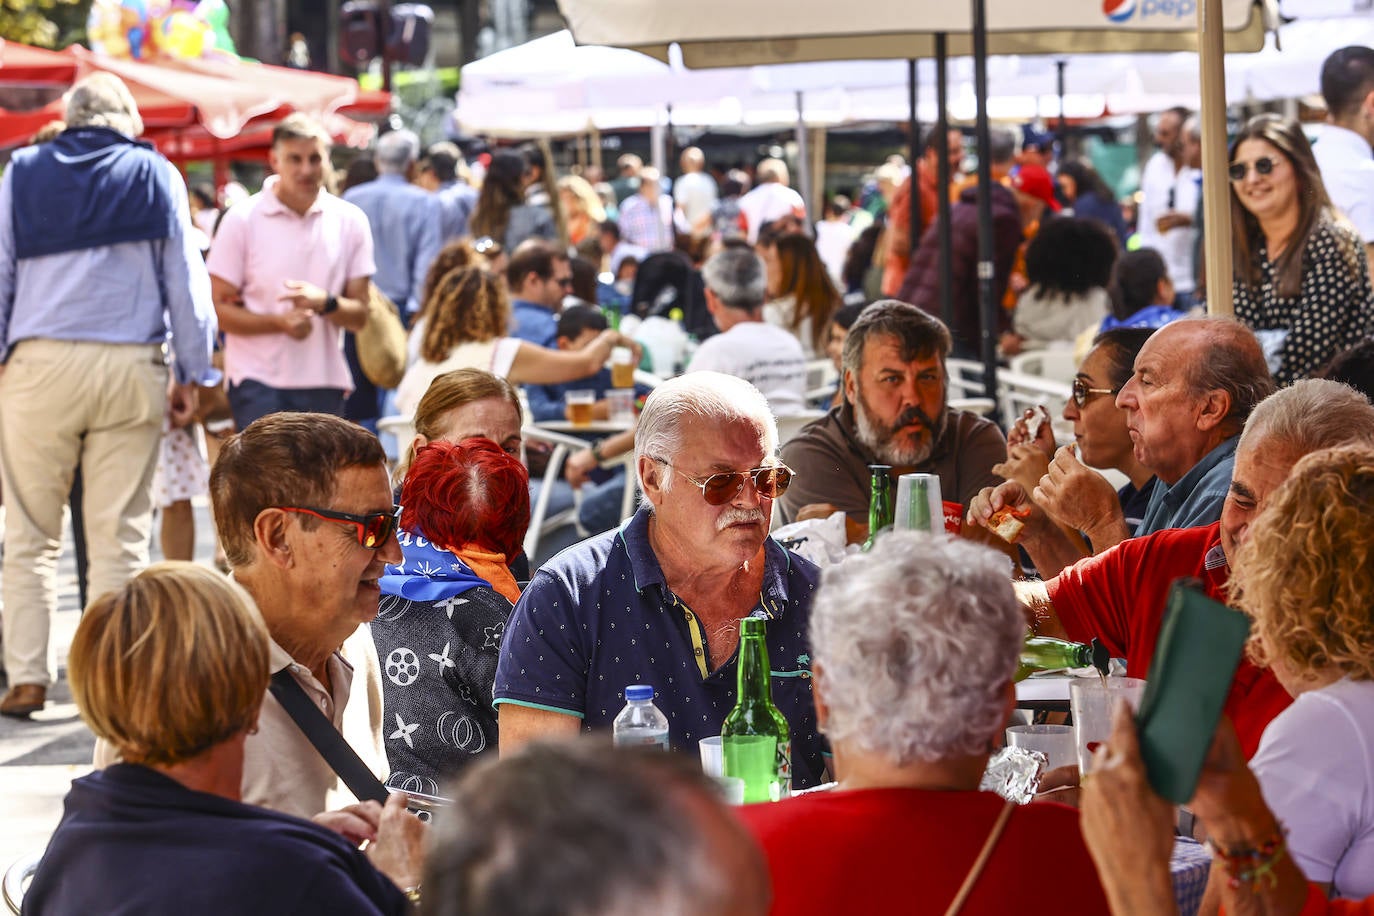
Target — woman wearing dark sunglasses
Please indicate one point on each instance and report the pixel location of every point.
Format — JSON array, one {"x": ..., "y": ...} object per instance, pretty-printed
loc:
[{"x": 1301, "y": 278}]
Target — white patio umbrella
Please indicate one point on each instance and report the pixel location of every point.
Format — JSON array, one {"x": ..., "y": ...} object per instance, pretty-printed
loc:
[{"x": 708, "y": 33}]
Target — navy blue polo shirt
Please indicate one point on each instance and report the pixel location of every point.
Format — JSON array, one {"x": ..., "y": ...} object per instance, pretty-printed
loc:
[{"x": 599, "y": 616}]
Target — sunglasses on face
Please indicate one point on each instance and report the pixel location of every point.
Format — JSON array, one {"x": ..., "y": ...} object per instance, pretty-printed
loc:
[
  {"x": 719, "y": 489},
  {"x": 374, "y": 528},
  {"x": 487, "y": 246},
  {"x": 1263, "y": 166},
  {"x": 1082, "y": 393}
]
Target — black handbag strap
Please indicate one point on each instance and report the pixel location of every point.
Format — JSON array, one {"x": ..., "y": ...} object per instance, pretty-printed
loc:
[{"x": 342, "y": 759}]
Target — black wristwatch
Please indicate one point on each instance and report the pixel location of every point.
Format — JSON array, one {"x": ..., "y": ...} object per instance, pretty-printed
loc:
[{"x": 331, "y": 304}]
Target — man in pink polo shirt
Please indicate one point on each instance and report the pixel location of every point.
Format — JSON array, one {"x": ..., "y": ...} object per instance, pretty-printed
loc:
[{"x": 289, "y": 269}]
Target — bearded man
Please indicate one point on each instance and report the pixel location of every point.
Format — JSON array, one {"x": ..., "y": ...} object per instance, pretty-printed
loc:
[{"x": 896, "y": 413}]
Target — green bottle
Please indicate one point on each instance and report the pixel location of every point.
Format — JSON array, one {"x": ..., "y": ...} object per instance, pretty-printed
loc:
[
  {"x": 879, "y": 502},
  {"x": 1044, "y": 653},
  {"x": 755, "y": 740}
]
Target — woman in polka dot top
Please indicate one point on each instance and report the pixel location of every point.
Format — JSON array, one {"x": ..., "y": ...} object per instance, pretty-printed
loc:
[{"x": 1301, "y": 278}]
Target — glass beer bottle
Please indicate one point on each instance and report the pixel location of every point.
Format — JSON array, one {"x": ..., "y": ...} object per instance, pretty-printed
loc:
[
  {"x": 879, "y": 502},
  {"x": 1044, "y": 653},
  {"x": 755, "y": 739}
]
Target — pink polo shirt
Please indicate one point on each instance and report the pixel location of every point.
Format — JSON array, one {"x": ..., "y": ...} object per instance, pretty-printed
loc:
[{"x": 262, "y": 243}]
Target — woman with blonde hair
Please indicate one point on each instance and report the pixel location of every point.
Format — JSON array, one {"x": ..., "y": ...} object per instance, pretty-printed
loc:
[
  {"x": 172, "y": 669},
  {"x": 1306, "y": 576},
  {"x": 582, "y": 207},
  {"x": 802, "y": 295},
  {"x": 466, "y": 327}
]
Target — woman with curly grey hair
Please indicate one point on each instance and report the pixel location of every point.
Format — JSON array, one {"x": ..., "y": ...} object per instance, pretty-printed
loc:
[{"x": 914, "y": 645}]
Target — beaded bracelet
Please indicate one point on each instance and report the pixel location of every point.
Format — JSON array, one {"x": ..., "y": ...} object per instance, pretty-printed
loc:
[{"x": 1249, "y": 866}]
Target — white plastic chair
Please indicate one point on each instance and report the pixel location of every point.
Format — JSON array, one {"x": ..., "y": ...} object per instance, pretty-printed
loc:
[
  {"x": 821, "y": 379},
  {"x": 1056, "y": 365},
  {"x": 790, "y": 425},
  {"x": 541, "y": 522},
  {"x": 980, "y": 406},
  {"x": 1017, "y": 391},
  {"x": 16, "y": 881},
  {"x": 965, "y": 378}
]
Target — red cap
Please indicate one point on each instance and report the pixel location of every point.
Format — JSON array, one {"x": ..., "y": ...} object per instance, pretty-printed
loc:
[{"x": 1036, "y": 181}]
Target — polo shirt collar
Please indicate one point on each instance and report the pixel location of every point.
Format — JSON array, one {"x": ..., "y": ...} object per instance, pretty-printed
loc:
[
  {"x": 1176, "y": 495},
  {"x": 272, "y": 204},
  {"x": 647, "y": 573},
  {"x": 1350, "y": 143}
]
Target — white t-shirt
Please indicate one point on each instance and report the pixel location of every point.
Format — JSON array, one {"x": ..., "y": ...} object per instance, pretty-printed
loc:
[
  {"x": 1347, "y": 167},
  {"x": 769, "y": 201},
  {"x": 1315, "y": 765},
  {"x": 765, "y": 356},
  {"x": 695, "y": 193},
  {"x": 1160, "y": 185},
  {"x": 494, "y": 356}
]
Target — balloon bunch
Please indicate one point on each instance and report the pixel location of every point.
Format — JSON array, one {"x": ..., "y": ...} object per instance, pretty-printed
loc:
[{"x": 150, "y": 29}]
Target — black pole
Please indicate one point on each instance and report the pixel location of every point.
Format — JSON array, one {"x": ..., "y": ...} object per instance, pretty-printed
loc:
[
  {"x": 1059, "y": 66},
  {"x": 943, "y": 180},
  {"x": 987, "y": 301},
  {"x": 913, "y": 128},
  {"x": 384, "y": 14}
]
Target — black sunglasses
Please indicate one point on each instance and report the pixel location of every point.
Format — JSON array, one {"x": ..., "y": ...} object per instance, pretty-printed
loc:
[
  {"x": 1082, "y": 393},
  {"x": 374, "y": 528},
  {"x": 718, "y": 489},
  {"x": 1263, "y": 165}
]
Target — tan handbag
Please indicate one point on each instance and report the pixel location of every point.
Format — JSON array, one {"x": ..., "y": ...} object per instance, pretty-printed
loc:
[{"x": 382, "y": 342}]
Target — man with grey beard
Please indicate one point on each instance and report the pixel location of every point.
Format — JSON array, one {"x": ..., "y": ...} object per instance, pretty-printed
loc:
[
  {"x": 658, "y": 601},
  {"x": 895, "y": 412}
]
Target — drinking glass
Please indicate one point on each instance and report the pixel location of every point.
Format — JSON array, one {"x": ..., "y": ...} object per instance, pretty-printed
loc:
[
  {"x": 927, "y": 514},
  {"x": 1056, "y": 742},
  {"x": 580, "y": 407},
  {"x": 1091, "y": 700}
]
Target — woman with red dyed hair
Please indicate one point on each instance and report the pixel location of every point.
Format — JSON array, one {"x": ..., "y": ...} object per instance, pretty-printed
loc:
[{"x": 443, "y": 610}]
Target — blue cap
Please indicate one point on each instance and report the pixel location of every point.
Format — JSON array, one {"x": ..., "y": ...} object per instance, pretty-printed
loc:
[{"x": 639, "y": 692}]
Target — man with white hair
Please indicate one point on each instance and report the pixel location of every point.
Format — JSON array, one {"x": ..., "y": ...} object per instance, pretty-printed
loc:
[
  {"x": 646, "y": 216},
  {"x": 290, "y": 268},
  {"x": 405, "y": 221},
  {"x": 763, "y": 354},
  {"x": 695, "y": 192},
  {"x": 659, "y": 600},
  {"x": 97, "y": 276},
  {"x": 771, "y": 199}
]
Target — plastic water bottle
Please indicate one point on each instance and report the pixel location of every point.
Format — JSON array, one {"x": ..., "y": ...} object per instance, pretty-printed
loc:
[{"x": 640, "y": 724}]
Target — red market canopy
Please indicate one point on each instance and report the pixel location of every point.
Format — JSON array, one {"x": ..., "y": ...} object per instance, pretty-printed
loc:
[{"x": 195, "y": 109}]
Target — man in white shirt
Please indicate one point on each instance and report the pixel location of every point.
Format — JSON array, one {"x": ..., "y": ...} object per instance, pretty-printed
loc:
[
  {"x": 771, "y": 199},
  {"x": 1343, "y": 148},
  {"x": 768, "y": 357},
  {"x": 1169, "y": 191},
  {"x": 695, "y": 192}
]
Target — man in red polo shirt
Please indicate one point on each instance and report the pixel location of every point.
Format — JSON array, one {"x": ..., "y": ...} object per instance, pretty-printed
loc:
[{"x": 1118, "y": 595}]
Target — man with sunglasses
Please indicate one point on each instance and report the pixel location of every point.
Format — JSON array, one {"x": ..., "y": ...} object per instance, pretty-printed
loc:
[
  {"x": 659, "y": 600},
  {"x": 895, "y": 412},
  {"x": 304, "y": 510}
]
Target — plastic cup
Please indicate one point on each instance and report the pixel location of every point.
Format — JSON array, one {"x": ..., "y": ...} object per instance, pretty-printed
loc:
[
  {"x": 622, "y": 367},
  {"x": 580, "y": 407},
  {"x": 1056, "y": 742},
  {"x": 927, "y": 515},
  {"x": 713, "y": 757},
  {"x": 621, "y": 403},
  {"x": 1091, "y": 700}
]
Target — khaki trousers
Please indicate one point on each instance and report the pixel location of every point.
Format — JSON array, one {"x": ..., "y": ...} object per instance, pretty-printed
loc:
[{"x": 64, "y": 403}]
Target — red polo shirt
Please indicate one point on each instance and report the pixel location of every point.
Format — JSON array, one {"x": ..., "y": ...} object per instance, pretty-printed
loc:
[{"x": 1119, "y": 595}]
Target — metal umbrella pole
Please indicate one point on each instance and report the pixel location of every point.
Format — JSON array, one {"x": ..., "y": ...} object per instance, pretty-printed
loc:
[
  {"x": 987, "y": 301},
  {"x": 913, "y": 127},
  {"x": 943, "y": 179}
]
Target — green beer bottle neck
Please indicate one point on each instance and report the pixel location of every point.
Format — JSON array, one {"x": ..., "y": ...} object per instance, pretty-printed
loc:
[
  {"x": 755, "y": 687},
  {"x": 879, "y": 501}
]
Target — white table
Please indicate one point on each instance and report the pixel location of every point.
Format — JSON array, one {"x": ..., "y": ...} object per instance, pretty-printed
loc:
[{"x": 596, "y": 426}]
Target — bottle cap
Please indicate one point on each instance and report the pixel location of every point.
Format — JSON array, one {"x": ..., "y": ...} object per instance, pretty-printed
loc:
[{"x": 637, "y": 692}]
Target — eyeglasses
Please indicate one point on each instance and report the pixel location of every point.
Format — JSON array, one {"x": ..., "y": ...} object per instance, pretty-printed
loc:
[
  {"x": 718, "y": 489},
  {"x": 1082, "y": 393},
  {"x": 374, "y": 528},
  {"x": 1263, "y": 166}
]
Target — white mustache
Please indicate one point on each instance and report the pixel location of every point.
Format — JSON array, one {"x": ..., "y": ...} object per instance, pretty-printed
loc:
[{"x": 739, "y": 516}]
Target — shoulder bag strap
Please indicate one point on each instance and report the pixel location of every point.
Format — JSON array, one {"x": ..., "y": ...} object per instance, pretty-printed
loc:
[
  {"x": 342, "y": 759},
  {"x": 979, "y": 863}
]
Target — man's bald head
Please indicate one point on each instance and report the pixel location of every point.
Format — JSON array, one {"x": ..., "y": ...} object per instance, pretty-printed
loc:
[{"x": 1223, "y": 355}]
